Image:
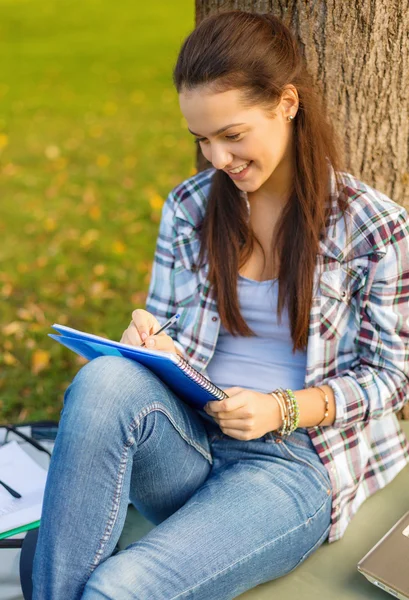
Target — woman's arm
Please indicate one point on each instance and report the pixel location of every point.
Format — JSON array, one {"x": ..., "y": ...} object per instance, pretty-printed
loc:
[
  {"x": 379, "y": 385},
  {"x": 161, "y": 298},
  {"x": 312, "y": 406}
]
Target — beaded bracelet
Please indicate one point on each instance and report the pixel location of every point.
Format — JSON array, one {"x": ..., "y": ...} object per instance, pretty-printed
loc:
[{"x": 289, "y": 410}]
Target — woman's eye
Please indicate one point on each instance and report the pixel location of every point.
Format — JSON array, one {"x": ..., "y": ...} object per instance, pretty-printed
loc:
[{"x": 228, "y": 137}]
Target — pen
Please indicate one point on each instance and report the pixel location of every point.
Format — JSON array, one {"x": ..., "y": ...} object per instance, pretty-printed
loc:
[
  {"x": 171, "y": 321},
  {"x": 9, "y": 489}
]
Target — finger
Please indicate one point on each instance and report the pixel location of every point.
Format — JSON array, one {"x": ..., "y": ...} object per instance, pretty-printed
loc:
[
  {"x": 145, "y": 323},
  {"x": 238, "y": 424},
  {"x": 238, "y": 434},
  {"x": 239, "y": 414},
  {"x": 124, "y": 339},
  {"x": 133, "y": 335},
  {"x": 232, "y": 391},
  {"x": 162, "y": 342},
  {"x": 228, "y": 404}
]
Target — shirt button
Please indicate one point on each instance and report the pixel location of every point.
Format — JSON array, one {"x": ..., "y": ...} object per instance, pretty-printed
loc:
[
  {"x": 343, "y": 294},
  {"x": 203, "y": 359},
  {"x": 214, "y": 319}
]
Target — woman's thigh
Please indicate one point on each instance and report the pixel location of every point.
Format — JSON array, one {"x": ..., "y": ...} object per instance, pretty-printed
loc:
[{"x": 254, "y": 519}]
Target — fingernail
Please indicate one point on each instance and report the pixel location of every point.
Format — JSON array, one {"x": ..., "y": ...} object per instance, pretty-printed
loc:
[
  {"x": 144, "y": 336},
  {"x": 150, "y": 342}
]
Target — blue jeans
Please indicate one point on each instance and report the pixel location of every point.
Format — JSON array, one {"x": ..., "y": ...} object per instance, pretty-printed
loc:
[{"x": 229, "y": 514}]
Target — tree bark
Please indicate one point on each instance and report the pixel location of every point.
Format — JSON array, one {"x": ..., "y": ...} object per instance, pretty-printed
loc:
[{"x": 358, "y": 55}]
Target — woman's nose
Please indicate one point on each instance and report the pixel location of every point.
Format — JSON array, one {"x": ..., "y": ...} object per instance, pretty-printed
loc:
[{"x": 219, "y": 157}]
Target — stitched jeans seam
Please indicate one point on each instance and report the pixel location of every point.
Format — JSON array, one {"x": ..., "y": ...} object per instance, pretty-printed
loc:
[
  {"x": 248, "y": 556},
  {"x": 157, "y": 406},
  {"x": 113, "y": 515},
  {"x": 326, "y": 485}
]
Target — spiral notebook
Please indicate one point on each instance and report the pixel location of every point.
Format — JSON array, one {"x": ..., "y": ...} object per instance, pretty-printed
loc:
[{"x": 188, "y": 384}]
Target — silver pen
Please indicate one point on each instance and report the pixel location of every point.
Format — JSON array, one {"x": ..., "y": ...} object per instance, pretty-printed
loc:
[{"x": 171, "y": 321}]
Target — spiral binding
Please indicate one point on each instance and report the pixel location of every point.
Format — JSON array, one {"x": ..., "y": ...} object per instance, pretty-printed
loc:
[{"x": 200, "y": 379}]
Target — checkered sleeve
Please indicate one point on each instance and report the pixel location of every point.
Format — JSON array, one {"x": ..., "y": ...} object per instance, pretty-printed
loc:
[
  {"x": 160, "y": 301},
  {"x": 379, "y": 385}
]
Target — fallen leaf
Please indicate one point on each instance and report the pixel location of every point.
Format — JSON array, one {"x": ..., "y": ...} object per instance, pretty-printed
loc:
[
  {"x": 9, "y": 359},
  {"x": 4, "y": 140},
  {"x": 40, "y": 360},
  {"x": 12, "y": 328}
]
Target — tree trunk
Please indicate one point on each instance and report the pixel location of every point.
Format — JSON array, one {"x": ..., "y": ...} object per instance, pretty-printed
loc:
[{"x": 358, "y": 54}]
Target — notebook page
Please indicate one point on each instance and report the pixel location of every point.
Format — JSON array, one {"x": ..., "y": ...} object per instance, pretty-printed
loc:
[{"x": 19, "y": 471}]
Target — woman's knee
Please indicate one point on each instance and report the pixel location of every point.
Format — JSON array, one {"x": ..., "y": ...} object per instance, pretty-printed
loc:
[{"x": 107, "y": 384}]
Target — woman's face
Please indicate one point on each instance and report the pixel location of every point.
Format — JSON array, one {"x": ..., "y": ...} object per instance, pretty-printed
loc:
[{"x": 232, "y": 136}]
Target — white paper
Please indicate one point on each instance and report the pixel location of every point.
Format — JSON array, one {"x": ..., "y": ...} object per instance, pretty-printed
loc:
[{"x": 20, "y": 472}]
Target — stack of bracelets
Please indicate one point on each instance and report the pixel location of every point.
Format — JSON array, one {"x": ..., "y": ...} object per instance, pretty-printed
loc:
[{"x": 290, "y": 413}]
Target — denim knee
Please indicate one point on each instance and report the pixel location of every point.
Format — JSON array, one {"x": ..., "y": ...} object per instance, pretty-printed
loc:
[{"x": 105, "y": 386}]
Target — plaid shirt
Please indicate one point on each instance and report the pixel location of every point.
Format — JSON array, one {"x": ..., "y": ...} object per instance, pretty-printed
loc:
[{"x": 358, "y": 340}]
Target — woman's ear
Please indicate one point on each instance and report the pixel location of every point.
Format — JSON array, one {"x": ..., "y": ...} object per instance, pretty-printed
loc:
[{"x": 289, "y": 101}]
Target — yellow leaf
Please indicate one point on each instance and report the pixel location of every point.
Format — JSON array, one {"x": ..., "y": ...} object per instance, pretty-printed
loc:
[
  {"x": 89, "y": 238},
  {"x": 9, "y": 359},
  {"x": 95, "y": 213},
  {"x": 156, "y": 202},
  {"x": 97, "y": 288},
  {"x": 42, "y": 261},
  {"x": 7, "y": 290},
  {"x": 12, "y": 328},
  {"x": 25, "y": 314},
  {"x": 40, "y": 360},
  {"x": 4, "y": 140},
  {"x": 52, "y": 152},
  {"x": 99, "y": 269},
  {"x": 103, "y": 161},
  {"x": 22, "y": 268},
  {"x": 118, "y": 247},
  {"x": 50, "y": 224},
  {"x": 89, "y": 195}
]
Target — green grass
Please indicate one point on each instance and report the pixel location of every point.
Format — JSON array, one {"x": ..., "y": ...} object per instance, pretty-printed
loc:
[{"x": 91, "y": 141}]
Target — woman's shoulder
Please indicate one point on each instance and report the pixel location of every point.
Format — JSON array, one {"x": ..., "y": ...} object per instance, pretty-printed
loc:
[
  {"x": 371, "y": 217},
  {"x": 188, "y": 199},
  {"x": 362, "y": 197}
]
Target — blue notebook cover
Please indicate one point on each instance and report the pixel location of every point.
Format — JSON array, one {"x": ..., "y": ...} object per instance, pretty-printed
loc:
[{"x": 187, "y": 383}]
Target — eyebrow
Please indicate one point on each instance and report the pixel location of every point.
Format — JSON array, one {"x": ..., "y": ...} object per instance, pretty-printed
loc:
[{"x": 219, "y": 130}]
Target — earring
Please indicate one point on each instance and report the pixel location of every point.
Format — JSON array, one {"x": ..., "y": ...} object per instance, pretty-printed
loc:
[{"x": 290, "y": 118}]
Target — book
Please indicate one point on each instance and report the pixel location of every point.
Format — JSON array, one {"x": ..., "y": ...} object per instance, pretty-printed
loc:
[
  {"x": 184, "y": 380},
  {"x": 20, "y": 472}
]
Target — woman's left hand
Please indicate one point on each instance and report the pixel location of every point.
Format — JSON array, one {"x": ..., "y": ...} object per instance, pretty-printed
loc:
[{"x": 245, "y": 415}]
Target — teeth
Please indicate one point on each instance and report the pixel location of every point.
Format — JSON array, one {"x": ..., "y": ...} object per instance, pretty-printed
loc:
[{"x": 239, "y": 169}]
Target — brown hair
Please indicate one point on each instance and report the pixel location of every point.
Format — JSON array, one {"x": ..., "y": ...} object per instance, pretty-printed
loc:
[{"x": 258, "y": 55}]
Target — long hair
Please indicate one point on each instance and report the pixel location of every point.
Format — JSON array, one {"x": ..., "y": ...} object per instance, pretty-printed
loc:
[{"x": 258, "y": 55}]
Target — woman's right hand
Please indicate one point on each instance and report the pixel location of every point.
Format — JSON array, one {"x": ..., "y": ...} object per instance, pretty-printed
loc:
[{"x": 141, "y": 329}]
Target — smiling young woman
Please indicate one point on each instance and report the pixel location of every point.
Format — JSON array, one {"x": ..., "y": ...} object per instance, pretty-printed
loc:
[{"x": 292, "y": 278}]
